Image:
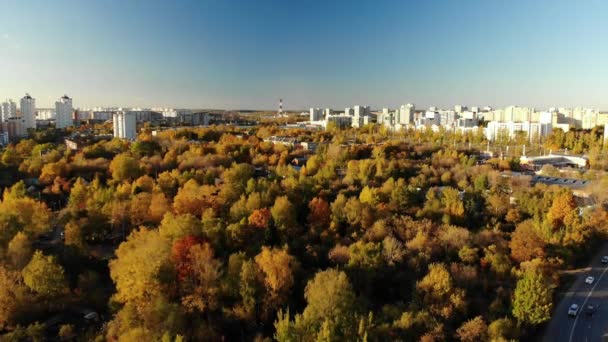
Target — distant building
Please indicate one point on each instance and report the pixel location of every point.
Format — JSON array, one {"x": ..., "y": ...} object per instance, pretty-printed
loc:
[
  {"x": 287, "y": 141},
  {"x": 166, "y": 112},
  {"x": 460, "y": 108},
  {"x": 28, "y": 111},
  {"x": 467, "y": 121},
  {"x": 309, "y": 146},
  {"x": 45, "y": 114},
  {"x": 64, "y": 110},
  {"x": 8, "y": 109},
  {"x": 124, "y": 125},
  {"x": 316, "y": 114},
  {"x": 385, "y": 117},
  {"x": 406, "y": 114},
  {"x": 533, "y": 130},
  {"x": 556, "y": 160},
  {"x": 14, "y": 128},
  {"x": 194, "y": 118},
  {"x": 361, "y": 116},
  {"x": 340, "y": 121}
]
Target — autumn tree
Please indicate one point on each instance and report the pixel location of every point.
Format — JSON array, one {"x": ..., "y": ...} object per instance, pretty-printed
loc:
[
  {"x": 50, "y": 171},
  {"x": 526, "y": 242},
  {"x": 180, "y": 255},
  {"x": 193, "y": 198},
  {"x": 473, "y": 330},
  {"x": 13, "y": 297},
  {"x": 438, "y": 293},
  {"x": 19, "y": 251},
  {"x": 154, "y": 320},
  {"x": 201, "y": 286},
  {"x": 138, "y": 268},
  {"x": 502, "y": 329},
  {"x": 278, "y": 268},
  {"x": 562, "y": 210},
  {"x": 21, "y": 213},
  {"x": 319, "y": 215},
  {"x": 260, "y": 218}
]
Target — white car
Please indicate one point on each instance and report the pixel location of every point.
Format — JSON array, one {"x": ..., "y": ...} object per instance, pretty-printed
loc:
[
  {"x": 589, "y": 280},
  {"x": 573, "y": 310}
]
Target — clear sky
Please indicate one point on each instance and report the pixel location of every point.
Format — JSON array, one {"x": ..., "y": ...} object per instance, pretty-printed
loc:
[{"x": 322, "y": 53}]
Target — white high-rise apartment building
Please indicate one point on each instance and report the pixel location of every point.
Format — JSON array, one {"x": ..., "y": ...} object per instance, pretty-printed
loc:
[
  {"x": 124, "y": 125},
  {"x": 28, "y": 111},
  {"x": 406, "y": 114},
  {"x": 8, "y": 109},
  {"x": 360, "y": 111},
  {"x": 360, "y": 116},
  {"x": 316, "y": 114},
  {"x": 534, "y": 130},
  {"x": 64, "y": 111}
]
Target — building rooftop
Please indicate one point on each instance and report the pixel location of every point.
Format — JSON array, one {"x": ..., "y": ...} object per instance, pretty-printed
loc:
[{"x": 568, "y": 182}]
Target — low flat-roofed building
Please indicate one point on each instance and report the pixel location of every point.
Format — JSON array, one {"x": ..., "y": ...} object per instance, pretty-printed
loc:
[{"x": 556, "y": 160}]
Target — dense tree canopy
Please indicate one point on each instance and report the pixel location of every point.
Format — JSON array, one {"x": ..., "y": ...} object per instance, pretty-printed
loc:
[{"x": 217, "y": 233}]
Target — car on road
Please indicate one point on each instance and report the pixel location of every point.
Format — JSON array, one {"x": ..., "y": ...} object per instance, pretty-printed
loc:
[
  {"x": 604, "y": 259},
  {"x": 589, "y": 280},
  {"x": 590, "y": 309},
  {"x": 573, "y": 310}
]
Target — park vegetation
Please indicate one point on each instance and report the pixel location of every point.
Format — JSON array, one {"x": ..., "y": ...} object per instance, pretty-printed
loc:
[{"x": 216, "y": 234}]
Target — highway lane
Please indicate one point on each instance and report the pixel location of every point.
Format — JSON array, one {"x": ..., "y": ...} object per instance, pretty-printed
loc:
[{"x": 583, "y": 327}]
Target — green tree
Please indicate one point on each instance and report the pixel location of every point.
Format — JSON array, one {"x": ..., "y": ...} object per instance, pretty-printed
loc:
[
  {"x": 330, "y": 298},
  {"x": 44, "y": 275},
  {"x": 175, "y": 227},
  {"x": 532, "y": 300},
  {"x": 124, "y": 167},
  {"x": 283, "y": 213}
]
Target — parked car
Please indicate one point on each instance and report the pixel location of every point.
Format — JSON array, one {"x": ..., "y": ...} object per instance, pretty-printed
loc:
[
  {"x": 90, "y": 316},
  {"x": 573, "y": 310},
  {"x": 589, "y": 280},
  {"x": 604, "y": 259}
]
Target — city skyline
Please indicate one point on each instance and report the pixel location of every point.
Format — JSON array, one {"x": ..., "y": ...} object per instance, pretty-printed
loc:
[{"x": 242, "y": 55}]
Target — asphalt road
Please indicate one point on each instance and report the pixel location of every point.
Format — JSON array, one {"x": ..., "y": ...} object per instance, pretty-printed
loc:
[{"x": 583, "y": 327}]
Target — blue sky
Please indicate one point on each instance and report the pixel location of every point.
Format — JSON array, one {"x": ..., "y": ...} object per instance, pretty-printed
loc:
[{"x": 322, "y": 53}]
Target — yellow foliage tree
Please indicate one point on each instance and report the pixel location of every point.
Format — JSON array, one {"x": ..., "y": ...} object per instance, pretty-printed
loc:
[{"x": 138, "y": 266}]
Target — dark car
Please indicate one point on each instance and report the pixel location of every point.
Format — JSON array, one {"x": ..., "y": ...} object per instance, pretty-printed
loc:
[{"x": 590, "y": 309}]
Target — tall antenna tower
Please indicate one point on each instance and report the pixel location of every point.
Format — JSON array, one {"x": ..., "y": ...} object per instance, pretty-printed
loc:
[{"x": 280, "y": 113}]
